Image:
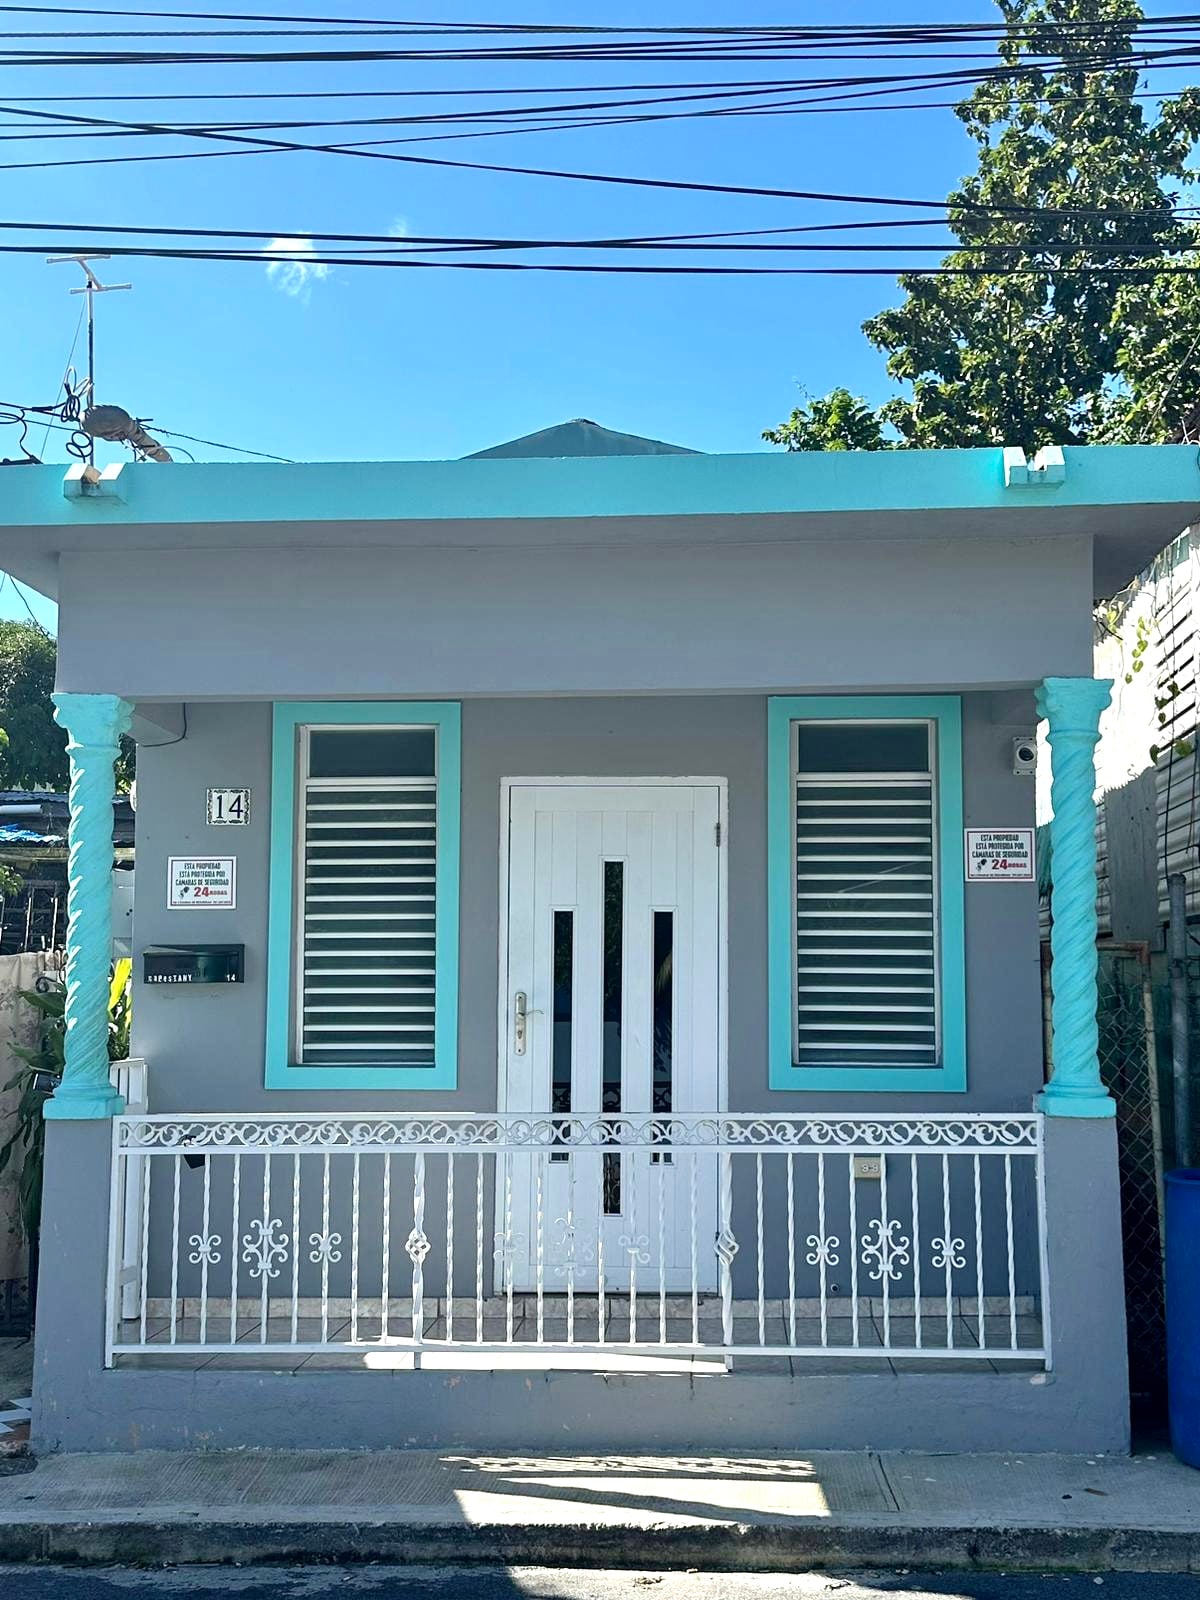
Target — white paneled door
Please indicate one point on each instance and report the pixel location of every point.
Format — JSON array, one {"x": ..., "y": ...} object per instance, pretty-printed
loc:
[{"x": 613, "y": 1003}]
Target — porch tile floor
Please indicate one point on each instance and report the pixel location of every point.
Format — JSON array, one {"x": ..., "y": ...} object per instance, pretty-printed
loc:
[{"x": 393, "y": 1354}]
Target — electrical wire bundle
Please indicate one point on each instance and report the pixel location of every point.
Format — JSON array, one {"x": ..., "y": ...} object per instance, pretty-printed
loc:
[{"x": 67, "y": 413}]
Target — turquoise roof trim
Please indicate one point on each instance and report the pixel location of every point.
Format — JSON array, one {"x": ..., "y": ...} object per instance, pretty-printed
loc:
[{"x": 599, "y": 486}]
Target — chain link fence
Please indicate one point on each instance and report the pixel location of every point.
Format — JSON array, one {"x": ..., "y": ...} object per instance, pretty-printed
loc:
[
  {"x": 1133, "y": 1011},
  {"x": 1132, "y": 990}
]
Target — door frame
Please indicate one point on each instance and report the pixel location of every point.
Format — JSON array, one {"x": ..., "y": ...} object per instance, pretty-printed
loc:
[{"x": 507, "y": 785}]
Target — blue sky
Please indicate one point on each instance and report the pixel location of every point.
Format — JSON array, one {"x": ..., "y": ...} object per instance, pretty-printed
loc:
[{"x": 424, "y": 364}]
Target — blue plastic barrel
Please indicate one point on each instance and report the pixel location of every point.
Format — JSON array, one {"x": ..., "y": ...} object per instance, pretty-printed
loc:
[{"x": 1183, "y": 1312}]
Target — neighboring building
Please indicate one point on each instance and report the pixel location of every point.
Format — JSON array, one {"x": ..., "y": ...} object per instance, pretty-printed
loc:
[
  {"x": 33, "y": 844},
  {"x": 1146, "y": 767},
  {"x": 566, "y": 1014}
]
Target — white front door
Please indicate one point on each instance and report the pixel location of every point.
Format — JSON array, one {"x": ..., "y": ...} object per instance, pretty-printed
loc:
[{"x": 613, "y": 955}]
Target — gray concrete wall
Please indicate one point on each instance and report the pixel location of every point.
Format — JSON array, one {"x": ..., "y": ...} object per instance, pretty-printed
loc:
[
  {"x": 1081, "y": 1405},
  {"x": 205, "y": 1046},
  {"x": 658, "y": 616}
]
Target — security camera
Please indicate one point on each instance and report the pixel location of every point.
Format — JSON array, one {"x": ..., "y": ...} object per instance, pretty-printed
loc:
[{"x": 1024, "y": 757}]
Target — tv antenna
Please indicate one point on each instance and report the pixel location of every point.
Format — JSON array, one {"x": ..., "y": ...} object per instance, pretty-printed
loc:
[{"x": 92, "y": 287}]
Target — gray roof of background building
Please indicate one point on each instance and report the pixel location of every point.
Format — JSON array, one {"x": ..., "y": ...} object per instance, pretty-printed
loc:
[{"x": 580, "y": 437}]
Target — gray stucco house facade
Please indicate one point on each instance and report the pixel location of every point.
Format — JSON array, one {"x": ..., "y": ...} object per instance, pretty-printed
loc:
[{"x": 586, "y": 950}]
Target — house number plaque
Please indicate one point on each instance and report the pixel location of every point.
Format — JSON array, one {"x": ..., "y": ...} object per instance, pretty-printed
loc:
[{"x": 229, "y": 808}]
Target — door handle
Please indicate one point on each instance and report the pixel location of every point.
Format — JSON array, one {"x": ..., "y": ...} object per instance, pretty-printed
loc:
[{"x": 522, "y": 1011}]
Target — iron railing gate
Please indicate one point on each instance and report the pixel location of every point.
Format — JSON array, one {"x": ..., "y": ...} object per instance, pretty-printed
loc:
[{"x": 919, "y": 1236}]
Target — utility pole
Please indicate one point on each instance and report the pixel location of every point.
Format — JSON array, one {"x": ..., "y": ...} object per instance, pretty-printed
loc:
[{"x": 92, "y": 287}]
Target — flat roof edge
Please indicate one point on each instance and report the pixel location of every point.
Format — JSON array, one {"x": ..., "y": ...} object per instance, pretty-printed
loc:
[{"x": 606, "y": 486}]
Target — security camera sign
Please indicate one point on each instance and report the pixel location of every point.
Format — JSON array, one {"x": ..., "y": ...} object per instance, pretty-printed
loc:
[
  {"x": 1000, "y": 855},
  {"x": 206, "y": 883}
]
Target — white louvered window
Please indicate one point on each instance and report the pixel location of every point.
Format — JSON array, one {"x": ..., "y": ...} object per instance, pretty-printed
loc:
[
  {"x": 865, "y": 858},
  {"x": 366, "y": 907}
]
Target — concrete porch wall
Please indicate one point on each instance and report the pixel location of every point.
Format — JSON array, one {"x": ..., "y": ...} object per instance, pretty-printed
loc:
[{"x": 1081, "y": 1405}]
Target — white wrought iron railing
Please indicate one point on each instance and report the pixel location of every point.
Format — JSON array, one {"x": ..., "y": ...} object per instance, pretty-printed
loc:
[{"x": 493, "y": 1235}]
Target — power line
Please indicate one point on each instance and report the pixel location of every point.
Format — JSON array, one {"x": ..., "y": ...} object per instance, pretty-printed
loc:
[
  {"x": 871, "y": 29},
  {"x": 1110, "y": 49},
  {"x": 1073, "y": 25},
  {"x": 259, "y": 258},
  {"x": 407, "y": 240},
  {"x": 852, "y": 49},
  {"x": 825, "y": 103},
  {"x": 299, "y": 248},
  {"x": 23, "y": 411},
  {"x": 1032, "y": 60},
  {"x": 749, "y": 86},
  {"x": 680, "y": 185},
  {"x": 846, "y": 33},
  {"x": 535, "y": 118},
  {"x": 701, "y": 241},
  {"x": 237, "y": 449},
  {"x": 21, "y": 596}
]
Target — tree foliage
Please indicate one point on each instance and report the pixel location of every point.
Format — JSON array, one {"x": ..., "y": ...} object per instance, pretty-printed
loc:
[
  {"x": 34, "y": 755},
  {"x": 33, "y": 748},
  {"x": 839, "y": 421},
  {"x": 1027, "y": 339}
]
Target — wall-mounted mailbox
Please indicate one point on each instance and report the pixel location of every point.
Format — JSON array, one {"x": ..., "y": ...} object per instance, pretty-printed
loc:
[{"x": 193, "y": 963}]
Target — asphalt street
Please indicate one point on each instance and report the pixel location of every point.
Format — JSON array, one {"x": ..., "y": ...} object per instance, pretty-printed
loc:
[{"x": 377, "y": 1582}]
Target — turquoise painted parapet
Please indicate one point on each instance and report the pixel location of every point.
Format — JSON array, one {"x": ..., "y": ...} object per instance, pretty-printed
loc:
[
  {"x": 94, "y": 724},
  {"x": 605, "y": 486},
  {"x": 1072, "y": 707}
]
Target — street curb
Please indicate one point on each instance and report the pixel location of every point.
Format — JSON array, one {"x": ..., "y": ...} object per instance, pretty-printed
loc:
[{"x": 783, "y": 1547}]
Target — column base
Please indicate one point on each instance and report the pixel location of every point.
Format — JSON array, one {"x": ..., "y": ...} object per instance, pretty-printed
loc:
[
  {"x": 1058, "y": 1101},
  {"x": 69, "y": 1104}
]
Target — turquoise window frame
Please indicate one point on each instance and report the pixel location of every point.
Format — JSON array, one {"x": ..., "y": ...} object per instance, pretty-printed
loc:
[
  {"x": 945, "y": 712},
  {"x": 288, "y": 717}
]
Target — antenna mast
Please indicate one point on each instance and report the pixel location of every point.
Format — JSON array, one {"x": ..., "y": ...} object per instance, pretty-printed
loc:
[{"x": 92, "y": 287}]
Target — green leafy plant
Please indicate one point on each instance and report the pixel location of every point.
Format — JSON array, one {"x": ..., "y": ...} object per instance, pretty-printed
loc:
[{"x": 41, "y": 1072}]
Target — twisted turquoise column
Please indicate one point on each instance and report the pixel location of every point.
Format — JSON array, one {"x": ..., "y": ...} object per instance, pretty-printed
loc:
[
  {"x": 1072, "y": 707},
  {"x": 94, "y": 724}
]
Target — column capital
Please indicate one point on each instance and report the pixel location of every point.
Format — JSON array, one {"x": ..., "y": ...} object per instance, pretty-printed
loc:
[
  {"x": 1072, "y": 706},
  {"x": 92, "y": 720}
]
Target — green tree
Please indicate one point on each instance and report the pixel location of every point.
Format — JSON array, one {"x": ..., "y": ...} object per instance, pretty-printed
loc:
[
  {"x": 1157, "y": 400},
  {"x": 839, "y": 421},
  {"x": 1027, "y": 340},
  {"x": 33, "y": 748},
  {"x": 34, "y": 755}
]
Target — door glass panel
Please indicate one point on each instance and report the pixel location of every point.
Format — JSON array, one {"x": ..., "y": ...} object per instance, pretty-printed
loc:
[
  {"x": 562, "y": 1047},
  {"x": 664, "y": 1007},
  {"x": 662, "y": 1002},
  {"x": 614, "y": 940}
]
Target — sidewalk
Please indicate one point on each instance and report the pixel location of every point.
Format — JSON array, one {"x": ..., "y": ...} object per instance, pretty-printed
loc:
[{"x": 771, "y": 1512}]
